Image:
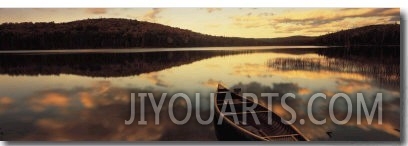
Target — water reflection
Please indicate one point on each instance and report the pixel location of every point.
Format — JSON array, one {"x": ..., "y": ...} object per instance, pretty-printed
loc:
[
  {"x": 86, "y": 96},
  {"x": 118, "y": 63},
  {"x": 95, "y": 112},
  {"x": 101, "y": 64},
  {"x": 373, "y": 131},
  {"x": 386, "y": 75}
]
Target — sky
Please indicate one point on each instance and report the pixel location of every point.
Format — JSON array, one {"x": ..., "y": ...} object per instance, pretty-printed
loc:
[{"x": 230, "y": 22}]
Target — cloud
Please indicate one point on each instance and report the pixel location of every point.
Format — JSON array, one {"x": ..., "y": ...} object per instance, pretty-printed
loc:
[
  {"x": 304, "y": 91},
  {"x": 317, "y": 17},
  {"x": 86, "y": 100},
  {"x": 6, "y": 100},
  {"x": 152, "y": 15},
  {"x": 352, "y": 86},
  {"x": 211, "y": 83},
  {"x": 96, "y": 10},
  {"x": 250, "y": 20},
  {"x": 5, "y": 103},
  {"x": 384, "y": 131},
  {"x": 101, "y": 117},
  {"x": 105, "y": 121},
  {"x": 154, "y": 78},
  {"x": 50, "y": 99},
  {"x": 316, "y": 21},
  {"x": 210, "y": 10},
  {"x": 102, "y": 87}
]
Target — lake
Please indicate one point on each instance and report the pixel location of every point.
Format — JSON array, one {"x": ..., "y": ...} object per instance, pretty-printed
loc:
[{"x": 85, "y": 94}]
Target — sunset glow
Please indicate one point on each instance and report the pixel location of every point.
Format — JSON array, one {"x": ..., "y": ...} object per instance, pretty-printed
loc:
[{"x": 235, "y": 22}]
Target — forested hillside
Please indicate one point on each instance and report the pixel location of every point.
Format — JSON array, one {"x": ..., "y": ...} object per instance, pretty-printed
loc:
[
  {"x": 387, "y": 34},
  {"x": 107, "y": 33},
  {"x": 292, "y": 40},
  {"x": 127, "y": 33}
]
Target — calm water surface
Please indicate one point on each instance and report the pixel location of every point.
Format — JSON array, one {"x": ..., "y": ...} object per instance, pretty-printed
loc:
[{"x": 86, "y": 95}]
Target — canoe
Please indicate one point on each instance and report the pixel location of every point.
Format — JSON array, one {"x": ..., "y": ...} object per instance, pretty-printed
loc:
[{"x": 228, "y": 129}]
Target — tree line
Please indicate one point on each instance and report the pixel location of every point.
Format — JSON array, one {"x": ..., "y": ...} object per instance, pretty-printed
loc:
[
  {"x": 385, "y": 34},
  {"x": 127, "y": 33},
  {"x": 107, "y": 33}
]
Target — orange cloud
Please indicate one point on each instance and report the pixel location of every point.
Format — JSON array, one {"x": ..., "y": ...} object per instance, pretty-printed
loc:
[
  {"x": 352, "y": 86},
  {"x": 210, "y": 10},
  {"x": 321, "y": 16},
  {"x": 49, "y": 100},
  {"x": 55, "y": 99},
  {"x": 86, "y": 100},
  {"x": 328, "y": 93},
  {"x": 5, "y": 103},
  {"x": 96, "y": 10},
  {"x": 316, "y": 21},
  {"x": 304, "y": 91}
]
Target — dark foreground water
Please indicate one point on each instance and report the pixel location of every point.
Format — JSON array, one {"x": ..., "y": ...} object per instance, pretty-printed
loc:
[{"x": 85, "y": 95}]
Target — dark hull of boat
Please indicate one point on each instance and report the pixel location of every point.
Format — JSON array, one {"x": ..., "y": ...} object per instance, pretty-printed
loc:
[
  {"x": 248, "y": 130},
  {"x": 227, "y": 132}
]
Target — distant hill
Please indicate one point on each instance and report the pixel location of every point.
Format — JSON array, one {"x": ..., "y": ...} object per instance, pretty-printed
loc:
[
  {"x": 107, "y": 33},
  {"x": 292, "y": 40},
  {"x": 386, "y": 34},
  {"x": 126, "y": 33}
]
